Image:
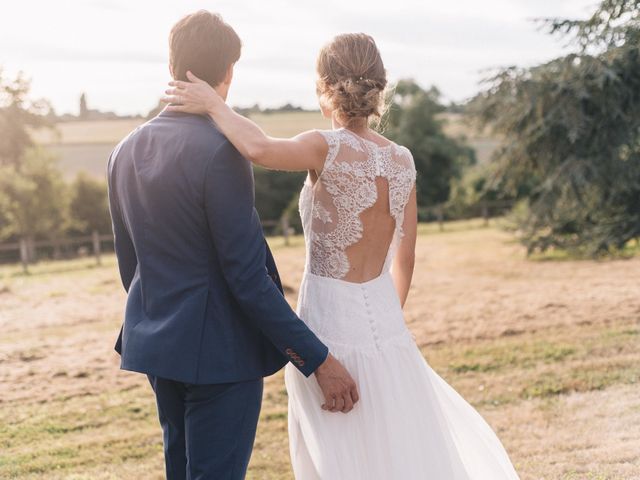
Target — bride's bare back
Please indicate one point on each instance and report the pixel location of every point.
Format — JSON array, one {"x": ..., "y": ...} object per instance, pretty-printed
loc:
[{"x": 353, "y": 213}]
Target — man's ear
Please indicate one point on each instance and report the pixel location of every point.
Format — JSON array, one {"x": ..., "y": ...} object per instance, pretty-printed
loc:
[
  {"x": 229, "y": 75},
  {"x": 171, "y": 71}
]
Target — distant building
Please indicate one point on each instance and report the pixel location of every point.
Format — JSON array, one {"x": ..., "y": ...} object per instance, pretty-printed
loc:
[
  {"x": 84, "y": 111},
  {"x": 89, "y": 114}
]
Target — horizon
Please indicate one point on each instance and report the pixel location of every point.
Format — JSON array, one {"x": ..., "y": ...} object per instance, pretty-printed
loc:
[{"x": 116, "y": 52}]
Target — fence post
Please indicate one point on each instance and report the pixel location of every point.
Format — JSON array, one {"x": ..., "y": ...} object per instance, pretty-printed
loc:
[
  {"x": 57, "y": 251},
  {"x": 284, "y": 224},
  {"x": 440, "y": 216},
  {"x": 96, "y": 246},
  {"x": 31, "y": 250},
  {"x": 24, "y": 255},
  {"x": 485, "y": 213}
]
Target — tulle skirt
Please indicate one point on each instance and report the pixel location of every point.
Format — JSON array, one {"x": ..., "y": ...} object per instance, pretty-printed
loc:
[{"x": 409, "y": 423}]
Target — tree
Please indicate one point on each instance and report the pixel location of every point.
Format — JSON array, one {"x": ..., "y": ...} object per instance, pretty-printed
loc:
[
  {"x": 89, "y": 207},
  {"x": 572, "y": 131},
  {"x": 414, "y": 121},
  {"x": 274, "y": 191},
  {"x": 18, "y": 114},
  {"x": 33, "y": 198}
]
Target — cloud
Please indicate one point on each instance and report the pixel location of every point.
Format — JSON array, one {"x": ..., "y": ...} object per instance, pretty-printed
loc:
[
  {"x": 113, "y": 5},
  {"x": 55, "y": 53},
  {"x": 443, "y": 43}
]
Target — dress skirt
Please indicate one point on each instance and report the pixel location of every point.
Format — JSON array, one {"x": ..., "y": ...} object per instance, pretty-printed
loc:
[{"x": 409, "y": 423}]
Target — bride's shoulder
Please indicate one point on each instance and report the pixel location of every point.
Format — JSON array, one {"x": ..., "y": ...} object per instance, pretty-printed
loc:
[
  {"x": 323, "y": 140},
  {"x": 328, "y": 136},
  {"x": 314, "y": 138},
  {"x": 403, "y": 156},
  {"x": 403, "y": 151},
  {"x": 400, "y": 150}
]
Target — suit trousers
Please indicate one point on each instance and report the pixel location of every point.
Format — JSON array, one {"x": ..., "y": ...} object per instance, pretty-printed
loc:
[{"x": 208, "y": 430}]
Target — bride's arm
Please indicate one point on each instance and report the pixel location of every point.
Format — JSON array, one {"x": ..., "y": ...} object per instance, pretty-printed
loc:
[
  {"x": 306, "y": 151},
  {"x": 404, "y": 261}
]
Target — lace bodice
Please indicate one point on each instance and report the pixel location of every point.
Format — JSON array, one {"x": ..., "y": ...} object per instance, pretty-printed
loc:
[{"x": 362, "y": 189}]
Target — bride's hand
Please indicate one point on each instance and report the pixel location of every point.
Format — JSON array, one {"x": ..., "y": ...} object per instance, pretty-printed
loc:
[{"x": 195, "y": 96}]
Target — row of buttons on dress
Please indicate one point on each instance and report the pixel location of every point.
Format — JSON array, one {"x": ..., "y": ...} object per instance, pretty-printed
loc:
[{"x": 369, "y": 312}]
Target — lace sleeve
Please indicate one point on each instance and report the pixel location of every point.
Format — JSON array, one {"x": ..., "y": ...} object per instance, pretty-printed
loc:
[
  {"x": 409, "y": 161},
  {"x": 334, "y": 145}
]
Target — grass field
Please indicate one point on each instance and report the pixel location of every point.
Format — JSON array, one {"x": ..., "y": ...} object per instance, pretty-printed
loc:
[
  {"x": 86, "y": 145},
  {"x": 548, "y": 352}
]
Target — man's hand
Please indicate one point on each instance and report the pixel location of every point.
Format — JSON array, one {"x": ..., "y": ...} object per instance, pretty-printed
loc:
[{"x": 339, "y": 389}]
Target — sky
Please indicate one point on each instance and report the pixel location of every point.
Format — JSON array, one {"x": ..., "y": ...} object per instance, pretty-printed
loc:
[{"x": 116, "y": 50}]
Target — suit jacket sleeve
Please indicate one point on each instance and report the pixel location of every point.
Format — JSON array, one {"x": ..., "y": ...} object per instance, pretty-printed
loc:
[
  {"x": 239, "y": 240},
  {"x": 125, "y": 251}
]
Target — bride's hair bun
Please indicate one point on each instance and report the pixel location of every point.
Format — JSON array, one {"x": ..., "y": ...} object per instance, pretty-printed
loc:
[{"x": 352, "y": 78}]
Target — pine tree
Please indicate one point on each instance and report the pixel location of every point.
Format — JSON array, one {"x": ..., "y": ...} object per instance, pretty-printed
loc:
[{"x": 572, "y": 130}]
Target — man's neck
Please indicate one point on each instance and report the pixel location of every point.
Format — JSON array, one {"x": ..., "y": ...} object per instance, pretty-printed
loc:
[{"x": 222, "y": 91}]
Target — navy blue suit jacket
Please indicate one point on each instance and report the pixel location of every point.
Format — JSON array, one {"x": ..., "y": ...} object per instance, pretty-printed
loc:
[{"x": 205, "y": 303}]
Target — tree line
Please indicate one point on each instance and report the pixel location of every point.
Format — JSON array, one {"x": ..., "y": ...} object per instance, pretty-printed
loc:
[{"x": 36, "y": 203}]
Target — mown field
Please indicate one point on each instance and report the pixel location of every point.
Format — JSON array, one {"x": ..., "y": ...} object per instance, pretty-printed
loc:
[
  {"x": 547, "y": 351},
  {"x": 86, "y": 145}
]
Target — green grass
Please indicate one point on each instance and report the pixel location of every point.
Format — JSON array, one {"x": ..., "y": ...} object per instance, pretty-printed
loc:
[
  {"x": 77, "y": 433},
  {"x": 544, "y": 364},
  {"x": 85, "y": 432},
  {"x": 455, "y": 226},
  {"x": 495, "y": 358},
  {"x": 630, "y": 250},
  {"x": 47, "y": 269}
]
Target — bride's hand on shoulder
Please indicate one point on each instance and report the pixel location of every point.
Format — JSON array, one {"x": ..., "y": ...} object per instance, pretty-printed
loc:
[
  {"x": 194, "y": 96},
  {"x": 306, "y": 151}
]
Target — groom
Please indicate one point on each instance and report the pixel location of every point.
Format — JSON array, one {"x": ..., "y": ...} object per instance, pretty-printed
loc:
[{"x": 205, "y": 318}]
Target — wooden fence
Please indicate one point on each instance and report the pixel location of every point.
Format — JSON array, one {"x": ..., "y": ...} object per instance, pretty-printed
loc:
[
  {"x": 485, "y": 209},
  {"x": 26, "y": 249},
  {"x": 92, "y": 244}
]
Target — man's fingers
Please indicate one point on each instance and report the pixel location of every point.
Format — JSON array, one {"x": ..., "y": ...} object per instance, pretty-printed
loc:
[{"x": 332, "y": 377}]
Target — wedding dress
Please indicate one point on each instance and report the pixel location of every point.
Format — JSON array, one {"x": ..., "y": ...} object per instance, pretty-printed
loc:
[{"x": 409, "y": 423}]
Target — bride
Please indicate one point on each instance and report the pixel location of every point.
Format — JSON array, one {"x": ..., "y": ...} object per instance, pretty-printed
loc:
[{"x": 358, "y": 208}]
